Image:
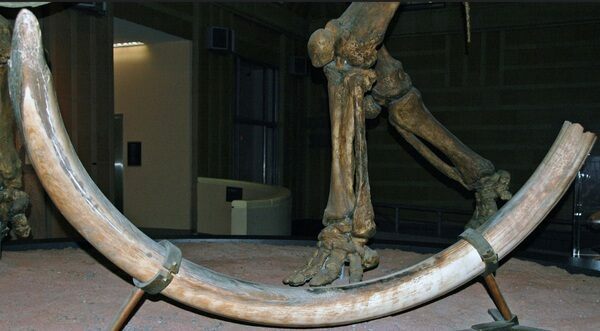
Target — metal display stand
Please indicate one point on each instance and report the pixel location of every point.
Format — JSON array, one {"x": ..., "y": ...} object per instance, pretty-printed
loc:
[
  {"x": 586, "y": 211},
  {"x": 504, "y": 319},
  {"x": 154, "y": 286}
]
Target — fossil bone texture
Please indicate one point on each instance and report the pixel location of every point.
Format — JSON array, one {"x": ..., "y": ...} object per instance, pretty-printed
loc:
[
  {"x": 362, "y": 77},
  {"x": 14, "y": 202},
  {"x": 347, "y": 48},
  {"x": 94, "y": 217}
]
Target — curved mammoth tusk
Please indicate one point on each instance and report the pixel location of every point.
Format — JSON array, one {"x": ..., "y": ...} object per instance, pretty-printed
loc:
[
  {"x": 22, "y": 4},
  {"x": 90, "y": 212}
]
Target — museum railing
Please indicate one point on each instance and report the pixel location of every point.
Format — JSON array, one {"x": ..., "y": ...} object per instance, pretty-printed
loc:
[
  {"x": 424, "y": 224},
  {"x": 412, "y": 212}
]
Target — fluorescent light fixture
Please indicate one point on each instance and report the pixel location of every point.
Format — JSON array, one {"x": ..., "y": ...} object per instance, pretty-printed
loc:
[{"x": 128, "y": 44}]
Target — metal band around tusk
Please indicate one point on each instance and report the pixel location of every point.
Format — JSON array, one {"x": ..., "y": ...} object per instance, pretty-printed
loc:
[
  {"x": 164, "y": 276},
  {"x": 483, "y": 247}
]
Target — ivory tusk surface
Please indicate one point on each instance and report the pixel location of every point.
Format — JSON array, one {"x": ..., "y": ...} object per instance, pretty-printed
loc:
[{"x": 90, "y": 212}]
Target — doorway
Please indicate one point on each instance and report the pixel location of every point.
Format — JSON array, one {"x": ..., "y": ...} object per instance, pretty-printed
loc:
[
  {"x": 255, "y": 122},
  {"x": 153, "y": 95}
]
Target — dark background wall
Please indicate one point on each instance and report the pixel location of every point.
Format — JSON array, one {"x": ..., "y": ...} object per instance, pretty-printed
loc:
[{"x": 529, "y": 68}]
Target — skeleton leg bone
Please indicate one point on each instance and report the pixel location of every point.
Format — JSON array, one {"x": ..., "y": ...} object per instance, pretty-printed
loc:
[
  {"x": 348, "y": 217},
  {"x": 410, "y": 116},
  {"x": 347, "y": 48}
]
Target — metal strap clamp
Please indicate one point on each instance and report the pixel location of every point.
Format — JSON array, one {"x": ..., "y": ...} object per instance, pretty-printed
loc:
[
  {"x": 164, "y": 276},
  {"x": 483, "y": 247}
]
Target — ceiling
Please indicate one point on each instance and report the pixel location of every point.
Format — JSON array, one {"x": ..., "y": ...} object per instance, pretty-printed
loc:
[
  {"x": 317, "y": 10},
  {"x": 125, "y": 31}
]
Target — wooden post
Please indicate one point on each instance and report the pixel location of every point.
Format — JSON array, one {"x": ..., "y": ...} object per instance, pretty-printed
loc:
[
  {"x": 127, "y": 309},
  {"x": 497, "y": 296}
]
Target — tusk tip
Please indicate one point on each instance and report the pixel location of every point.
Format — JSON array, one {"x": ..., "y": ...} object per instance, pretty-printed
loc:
[
  {"x": 27, "y": 35},
  {"x": 26, "y": 51}
]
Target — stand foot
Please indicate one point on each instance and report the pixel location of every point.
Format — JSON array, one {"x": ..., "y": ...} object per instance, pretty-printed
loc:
[{"x": 500, "y": 324}]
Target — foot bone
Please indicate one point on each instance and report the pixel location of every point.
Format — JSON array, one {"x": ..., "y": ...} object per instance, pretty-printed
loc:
[{"x": 334, "y": 249}]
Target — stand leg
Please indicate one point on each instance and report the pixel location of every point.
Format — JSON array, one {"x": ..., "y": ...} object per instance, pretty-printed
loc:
[
  {"x": 497, "y": 296},
  {"x": 136, "y": 295}
]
